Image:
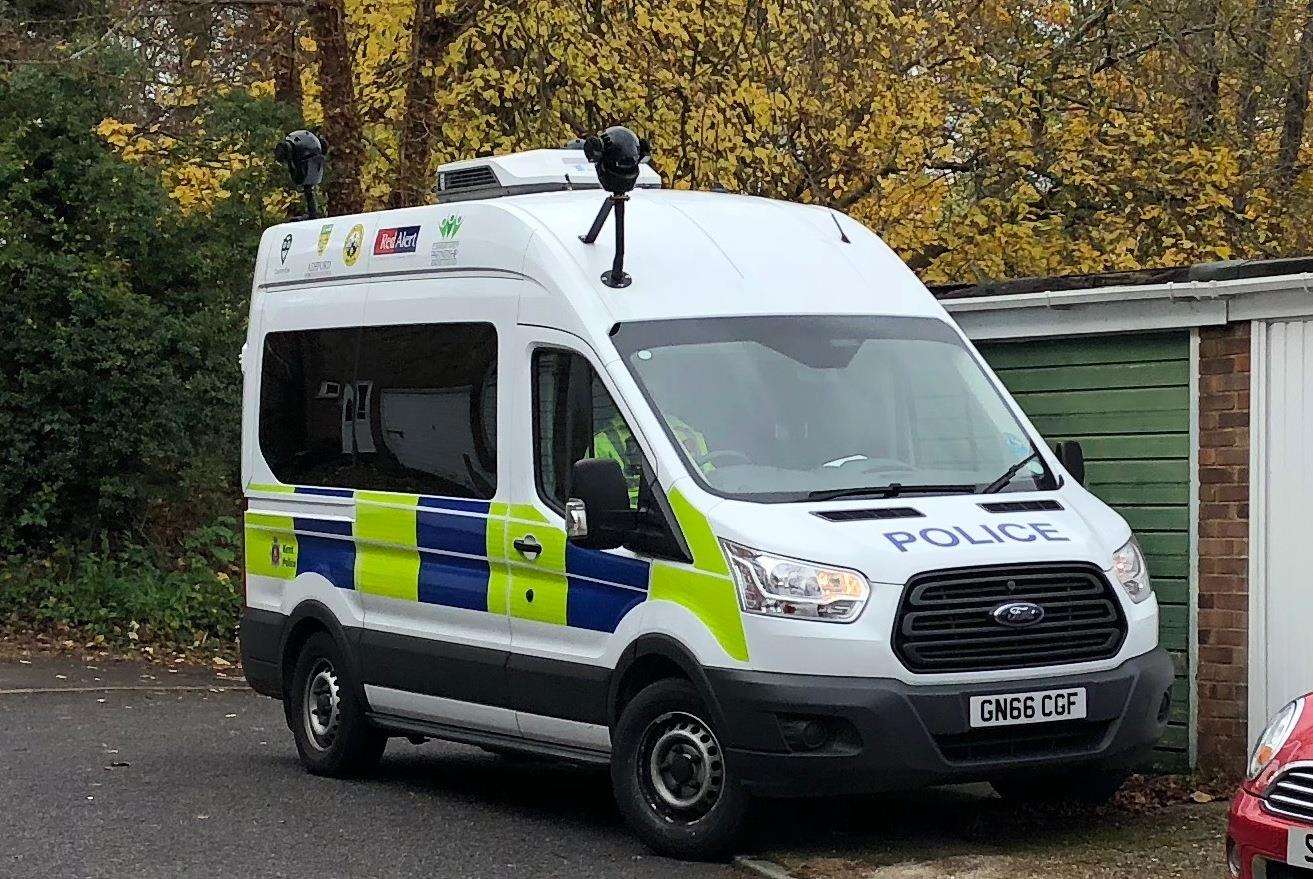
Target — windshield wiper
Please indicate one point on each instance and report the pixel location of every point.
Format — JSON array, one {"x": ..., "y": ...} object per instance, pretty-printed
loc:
[
  {"x": 997, "y": 484},
  {"x": 893, "y": 489}
]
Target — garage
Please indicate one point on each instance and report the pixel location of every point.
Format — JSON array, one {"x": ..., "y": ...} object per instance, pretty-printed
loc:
[
  {"x": 1180, "y": 383},
  {"x": 1126, "y": 398}
]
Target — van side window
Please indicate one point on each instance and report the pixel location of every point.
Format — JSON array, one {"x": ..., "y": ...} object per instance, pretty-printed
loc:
[
  {"x": 426, "y": 410},
  {"x": 575, "y": 418},
  {"x": 304, "y": 379},
  {"x": 409, "y": 409}
]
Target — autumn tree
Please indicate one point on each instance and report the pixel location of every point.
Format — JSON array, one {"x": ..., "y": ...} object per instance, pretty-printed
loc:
[{"x": 982, "y": 138}]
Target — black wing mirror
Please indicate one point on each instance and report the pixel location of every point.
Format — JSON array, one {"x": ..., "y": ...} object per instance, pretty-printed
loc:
[
  {"x": 1072, "y": 457},
  {"x": 598, "y": 514}
]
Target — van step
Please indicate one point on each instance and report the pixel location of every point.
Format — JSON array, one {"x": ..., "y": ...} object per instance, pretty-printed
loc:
[{"x": 407, "y": 726}]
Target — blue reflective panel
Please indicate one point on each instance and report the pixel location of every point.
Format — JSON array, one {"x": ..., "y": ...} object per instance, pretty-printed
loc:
[
  {"x": 449, "y": 503},
  {"x": 600, "y": 565},
  {"x": 332, "y": 557},
  {"x": 324, "y": 492},
  {"x": 452, "y": 533},
  {"x": 598, "y": 606},
  {"x": 453, "y": 581}
]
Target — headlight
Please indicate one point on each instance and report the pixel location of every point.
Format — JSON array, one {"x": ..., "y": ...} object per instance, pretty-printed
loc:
[
  {"x": 1276, "y": 734},
  {"x": 1131, "y": 571},
  {"x": 777, "y": 586}
]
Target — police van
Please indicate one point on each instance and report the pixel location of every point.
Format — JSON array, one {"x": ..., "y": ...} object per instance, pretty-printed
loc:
[{"x": 724, "y": 501}]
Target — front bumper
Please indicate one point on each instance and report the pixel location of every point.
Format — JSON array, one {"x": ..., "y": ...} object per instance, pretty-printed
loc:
[
  {"x": 1259, "y": 837},
  {"x": 887, "y": 735}
]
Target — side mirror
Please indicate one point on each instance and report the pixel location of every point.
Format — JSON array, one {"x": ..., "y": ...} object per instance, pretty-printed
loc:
[
  {"x": 598, "y": 514},
  {"x": 1072, "y": 457}
]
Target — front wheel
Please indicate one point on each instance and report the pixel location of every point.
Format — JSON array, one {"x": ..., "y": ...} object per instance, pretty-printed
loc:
[
  {"x": 1093, "y": 785},
  {"x": 671, "y": 779}
]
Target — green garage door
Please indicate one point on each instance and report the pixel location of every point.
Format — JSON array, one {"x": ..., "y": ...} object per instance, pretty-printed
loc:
[{"x": 1127, "y": 400}]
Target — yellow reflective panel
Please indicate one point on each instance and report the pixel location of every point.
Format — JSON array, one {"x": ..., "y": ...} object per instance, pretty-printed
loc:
[
  {"x": 270, "y": 545},
  {"x": 387, "y": 553},
  {"x": 707, "y": 591}
]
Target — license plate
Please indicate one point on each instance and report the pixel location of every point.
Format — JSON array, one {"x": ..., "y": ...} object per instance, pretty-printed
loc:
[
  {"x": 1041, "y": 706},
  {"x": 1299, "y": 847}
]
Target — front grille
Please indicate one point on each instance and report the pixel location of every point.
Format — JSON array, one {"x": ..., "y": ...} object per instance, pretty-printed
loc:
[
  {"x": 1058, "y": 739},
  {"x": 1292, "y": 794},
  {"x": 945, "y": 621}
]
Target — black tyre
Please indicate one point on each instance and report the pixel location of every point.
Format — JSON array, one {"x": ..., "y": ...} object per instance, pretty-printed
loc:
[
  {"x": 670, "y": 775},
  {"x": 1092, "y": 785},
  {"x": 332, "y": 734}
]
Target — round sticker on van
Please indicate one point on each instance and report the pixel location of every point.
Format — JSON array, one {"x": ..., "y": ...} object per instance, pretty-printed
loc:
[{"x": 351, "y": 247}]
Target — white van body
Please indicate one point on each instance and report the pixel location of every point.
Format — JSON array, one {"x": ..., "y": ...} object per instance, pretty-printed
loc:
[{"x": 548, "y": 654}]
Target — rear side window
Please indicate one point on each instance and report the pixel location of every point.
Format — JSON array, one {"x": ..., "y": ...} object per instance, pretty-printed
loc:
[
  {"x": 304, "y": 379},
  {"x": 416, "y": 413}
]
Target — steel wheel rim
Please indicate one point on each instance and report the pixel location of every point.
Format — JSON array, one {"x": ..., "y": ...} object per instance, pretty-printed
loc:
[
  {"x": 321, "y": 705},
  {"x": 681, "y": 768}
]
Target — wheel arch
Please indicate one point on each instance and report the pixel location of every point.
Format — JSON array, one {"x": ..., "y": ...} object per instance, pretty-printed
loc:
[
  {"x": 652, "y": 658},
  {"x": 307, "y": 618}
]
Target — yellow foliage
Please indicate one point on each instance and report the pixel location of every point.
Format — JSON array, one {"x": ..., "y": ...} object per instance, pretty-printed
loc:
[{"x": 981, "y": 138}]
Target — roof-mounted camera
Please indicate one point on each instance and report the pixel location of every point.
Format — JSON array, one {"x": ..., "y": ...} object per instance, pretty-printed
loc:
[
  {"x": 617, "y": 153},
  {"x": 304, "y": 152}
]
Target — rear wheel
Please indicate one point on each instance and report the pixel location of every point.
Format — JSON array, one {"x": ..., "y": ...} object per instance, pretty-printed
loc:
[
  {"x": 1087, "y": 784},
  {"x": 328, "y": 722},
  {"x": 670, "y": 775}
]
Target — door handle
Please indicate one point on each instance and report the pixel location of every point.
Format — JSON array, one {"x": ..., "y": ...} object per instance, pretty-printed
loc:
[{"x": 528, "y": 546}]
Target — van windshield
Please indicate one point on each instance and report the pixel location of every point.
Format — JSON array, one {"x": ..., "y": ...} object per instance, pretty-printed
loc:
[{"x": 780, "y": 409}]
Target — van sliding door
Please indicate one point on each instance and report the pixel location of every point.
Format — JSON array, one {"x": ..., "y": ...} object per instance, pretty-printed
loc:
[{"x": 432, "y": 483}]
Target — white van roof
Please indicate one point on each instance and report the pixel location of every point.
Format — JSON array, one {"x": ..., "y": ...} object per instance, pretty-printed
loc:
[{"x": 691, "y": 254}]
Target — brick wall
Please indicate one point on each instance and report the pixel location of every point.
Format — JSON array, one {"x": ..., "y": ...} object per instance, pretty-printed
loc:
[{"x": 1223, "y": 545}]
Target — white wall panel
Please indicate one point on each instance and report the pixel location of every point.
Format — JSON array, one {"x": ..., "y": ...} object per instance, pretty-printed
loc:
[{"x": 1281, "y": 517}]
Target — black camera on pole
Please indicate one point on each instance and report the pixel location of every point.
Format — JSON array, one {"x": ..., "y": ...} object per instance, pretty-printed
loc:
[
  {"x": 617, "y": 154},
  {"x": 304, "y": 152}
]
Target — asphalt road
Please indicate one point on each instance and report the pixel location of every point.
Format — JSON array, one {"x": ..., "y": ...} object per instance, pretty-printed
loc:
[{"x": 139, "y": 782}]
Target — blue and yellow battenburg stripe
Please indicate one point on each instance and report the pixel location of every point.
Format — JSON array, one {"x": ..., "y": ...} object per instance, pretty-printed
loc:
[{"x": 451, "y": 552}]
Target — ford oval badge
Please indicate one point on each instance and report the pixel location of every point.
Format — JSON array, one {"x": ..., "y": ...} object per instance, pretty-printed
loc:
[{"x": 1018, "y": 614}]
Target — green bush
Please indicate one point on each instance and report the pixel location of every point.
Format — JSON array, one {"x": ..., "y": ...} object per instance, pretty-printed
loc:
[
  {"x": 130, "y": 595},
  {"x": 120, "y": 387},
  {"x": 119, "y": 381}
]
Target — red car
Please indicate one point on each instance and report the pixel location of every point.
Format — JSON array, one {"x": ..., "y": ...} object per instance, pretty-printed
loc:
[{"x": 1269, "y": 830}]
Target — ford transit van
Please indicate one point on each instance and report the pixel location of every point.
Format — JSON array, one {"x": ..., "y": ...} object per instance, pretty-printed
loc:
[{"x": 750, "y": 517}]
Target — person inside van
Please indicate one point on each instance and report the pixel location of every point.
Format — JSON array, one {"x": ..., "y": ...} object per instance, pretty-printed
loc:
[{"x": 614, "y": 440}]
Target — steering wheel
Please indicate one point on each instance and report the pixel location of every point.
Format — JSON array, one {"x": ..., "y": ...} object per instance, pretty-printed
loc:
[
  {"x": 715, "y": 458},
  {"x": 885, "y": 465}
]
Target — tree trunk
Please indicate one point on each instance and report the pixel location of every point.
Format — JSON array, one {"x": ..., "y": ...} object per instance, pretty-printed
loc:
[
  {"x": 281, "y": 37},
  {"x": 1292, "y": 126},
  {"x": 431, "y": 34},
  {"x": 193, "y": 23},
  {"x": 1253, "y": 69},
  {"x": 337, "y": 86},
  {"x": 1265, "y": 12},
  {"x": 1204, "y": 100}
]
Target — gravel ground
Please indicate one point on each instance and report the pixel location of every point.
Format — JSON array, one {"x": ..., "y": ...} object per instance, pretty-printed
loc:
[{"x": 966, "y": 833}]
